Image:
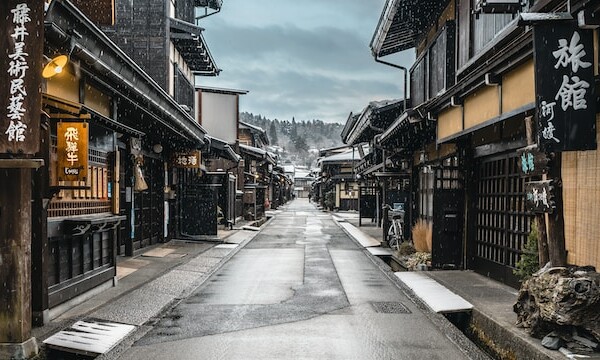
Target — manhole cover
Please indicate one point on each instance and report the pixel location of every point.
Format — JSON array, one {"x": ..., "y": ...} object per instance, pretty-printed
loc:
[{"x": 390, "y": 308}]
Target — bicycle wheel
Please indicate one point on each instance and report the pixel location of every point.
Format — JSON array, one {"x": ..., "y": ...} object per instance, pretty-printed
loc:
[{"x": 392, "y": 238}]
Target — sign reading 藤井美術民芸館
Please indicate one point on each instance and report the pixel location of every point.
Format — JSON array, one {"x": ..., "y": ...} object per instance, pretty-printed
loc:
[
  {"x": 564, "y": 86},
  {"x": 22, "y": 37},
  {"x": 72, "y": 150}
]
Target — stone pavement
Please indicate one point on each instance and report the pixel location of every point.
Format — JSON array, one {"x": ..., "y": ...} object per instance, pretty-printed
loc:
[
  {"x": 492, "y": 316},
  {"x": 158, "y": 279},
  {"x": 148, "y": 284}
]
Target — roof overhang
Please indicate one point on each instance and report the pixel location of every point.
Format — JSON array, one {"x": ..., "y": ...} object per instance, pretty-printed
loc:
[
  {"x": 190, "y": 43},
  {"x": 212, "y": 4},
  {"x": 222, "y": 149},
  {"x": 401, "y": 24},
  {"x": 101, "y": 57},
  {"x": 221, "y": 90},
  {"x": 257, "y": 153},
  {"x": 373, "y": 120},
  {"x": 256, "y": 131}
]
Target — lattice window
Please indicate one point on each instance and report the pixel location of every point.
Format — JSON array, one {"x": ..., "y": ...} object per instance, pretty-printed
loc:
[
  {"x": 502, "y": 220},
  {"x": 425, "y": 192},
  {"x": 448, "y": 176}
]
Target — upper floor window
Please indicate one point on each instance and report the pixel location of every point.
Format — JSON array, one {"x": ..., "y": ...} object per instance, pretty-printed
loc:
[
  {"x": 486, "y": 27},
  {"x": 477, "y": 31}
]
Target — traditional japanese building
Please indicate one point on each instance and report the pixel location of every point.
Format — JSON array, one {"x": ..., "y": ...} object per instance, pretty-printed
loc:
[
  {"x": 258, "y": 170},
  {"x": 338, "y": 186},
  {"x": 164, "y": 40},
  {"x": 217, "y": 110},
  {"x": 380, "y": 183},
  {"x": 485, "y": 85},
  {"x": 107, "y": 136}
]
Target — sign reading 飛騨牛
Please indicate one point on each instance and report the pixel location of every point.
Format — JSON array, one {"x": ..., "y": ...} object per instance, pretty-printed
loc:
[
  {"x": 564, "y": 86},
  {"x": 72, "y": 151},
  {"x": 20, "y": 97}
]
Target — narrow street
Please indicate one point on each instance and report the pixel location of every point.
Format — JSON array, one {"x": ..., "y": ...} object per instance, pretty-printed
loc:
[{"x": 302, "y": 289}]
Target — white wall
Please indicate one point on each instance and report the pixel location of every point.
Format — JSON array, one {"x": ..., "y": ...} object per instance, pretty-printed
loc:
[{"x": 219, "y": 115}]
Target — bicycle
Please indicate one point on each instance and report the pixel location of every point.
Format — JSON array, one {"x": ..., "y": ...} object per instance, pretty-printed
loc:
[{"x": 395, "y": 234}]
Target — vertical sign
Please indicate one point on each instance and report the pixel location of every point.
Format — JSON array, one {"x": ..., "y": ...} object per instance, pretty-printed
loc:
[
  {"x": 564, "y": 86},
  {"x": 22, "y": 40},
  {"x": 532, "y": 161},
  {"x": 72, "y": 151},
  {"x": 539, "y": 196}
]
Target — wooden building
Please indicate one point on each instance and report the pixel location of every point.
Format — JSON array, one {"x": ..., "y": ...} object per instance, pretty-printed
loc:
[
  {"x": 478, "y": 84},
  {"x": 130, "y": 127},
  {"x": 380, "y": 183},
  {"x": 164, "y": 40},
  {"x": 338, "y": 186},
  {"x": 217, "y": 110}
]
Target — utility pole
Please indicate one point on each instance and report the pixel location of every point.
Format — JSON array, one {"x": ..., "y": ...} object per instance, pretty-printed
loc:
[{"x": 20, "y": 109}]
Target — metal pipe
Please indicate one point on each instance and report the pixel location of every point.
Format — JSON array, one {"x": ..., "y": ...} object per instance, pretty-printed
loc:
[{"x": 397, "y": 67}]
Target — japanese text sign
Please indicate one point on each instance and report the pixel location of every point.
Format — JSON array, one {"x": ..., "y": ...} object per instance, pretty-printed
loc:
[
  {"x": 564, "y": 86},
  {"x": 187, "y": 160},
  {"x": 72, "y": 151},
  {"x": 532, "y": 161},
  {"x": 539, "y": 196},
  {"x": 20, "y": 97}
]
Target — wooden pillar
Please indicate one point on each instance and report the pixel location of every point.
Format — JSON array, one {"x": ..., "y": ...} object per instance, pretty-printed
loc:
[
  {"x": 22, "y": 40},
  {"x": 557, "y": 252},
  {"x": 15, "y": 267},
  {"x": 540, "y": 219}
]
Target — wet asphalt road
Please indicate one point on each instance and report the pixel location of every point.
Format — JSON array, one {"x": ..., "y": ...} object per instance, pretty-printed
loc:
[{"x": 302, "y": 289}]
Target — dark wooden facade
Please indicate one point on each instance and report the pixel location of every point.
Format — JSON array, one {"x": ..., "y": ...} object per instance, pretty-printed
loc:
[
  {"x": 478, "y": 108},
  {"x": 80, "y": 227}
]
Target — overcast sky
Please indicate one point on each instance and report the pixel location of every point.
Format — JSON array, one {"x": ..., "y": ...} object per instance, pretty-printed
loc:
[{"x": 308, "y": 59}]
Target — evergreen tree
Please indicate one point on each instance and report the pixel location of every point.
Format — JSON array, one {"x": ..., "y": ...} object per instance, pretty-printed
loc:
[
  {"x": 293, "y": 130},
  {"x": 273, "y": 134}
]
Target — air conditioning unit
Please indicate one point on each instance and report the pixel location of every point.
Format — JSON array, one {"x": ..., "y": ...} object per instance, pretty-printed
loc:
[{"x": 498, "y": 6}]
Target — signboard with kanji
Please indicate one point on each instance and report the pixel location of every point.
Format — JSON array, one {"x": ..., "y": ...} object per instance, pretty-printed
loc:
[
  {"x": 72, "y": 151},
  {"x": 532, "y": 161},
  {"x": 22, "y": 40},
  {"x": 564, "y": 86},
  {"x": 539, "y": 196},
  {"x": 187, "y": 160}
]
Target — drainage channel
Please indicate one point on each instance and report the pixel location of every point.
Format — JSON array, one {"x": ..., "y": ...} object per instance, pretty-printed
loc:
[{"x": 460, "y": 318}]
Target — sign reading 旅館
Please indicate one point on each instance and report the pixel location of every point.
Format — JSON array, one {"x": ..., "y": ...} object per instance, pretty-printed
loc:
[{"x": 564, "y": 86}]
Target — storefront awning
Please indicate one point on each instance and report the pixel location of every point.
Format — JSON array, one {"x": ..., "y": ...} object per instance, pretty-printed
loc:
[{"x": 190, "y": 43}]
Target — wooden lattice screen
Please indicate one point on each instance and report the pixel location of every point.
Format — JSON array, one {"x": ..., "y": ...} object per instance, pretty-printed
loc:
[
  {"x": 94, "y": 200},
  {"x": 502, "y": 222}
]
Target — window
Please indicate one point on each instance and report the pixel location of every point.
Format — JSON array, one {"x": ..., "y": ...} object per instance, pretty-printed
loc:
[
  {"x": 425, "y": 192},
  {"x": 477, "y": 31},
  {"x": 486, "y": 27}
]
